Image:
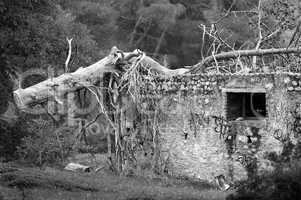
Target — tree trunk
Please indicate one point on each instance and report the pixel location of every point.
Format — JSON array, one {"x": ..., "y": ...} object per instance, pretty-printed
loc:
[
  {"x": 109, "y": 142},
  {"x": 63, "y": 84},
  {"x": 91, "y": 75},
  {"x": 118, "y": 137}
]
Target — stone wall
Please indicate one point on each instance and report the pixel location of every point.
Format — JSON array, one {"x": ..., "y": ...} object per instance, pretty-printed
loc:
[{"x": 195, "y": 107}]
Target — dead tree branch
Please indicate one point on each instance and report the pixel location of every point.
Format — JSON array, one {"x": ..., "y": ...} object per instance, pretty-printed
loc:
[
  {"x": 228, "y": 12},
  {"x": 295, "y": 35},
  {"x": 259, "y": 33},
  {"x": 235, "y": 54},
  {"x": 69, "y": 54}
]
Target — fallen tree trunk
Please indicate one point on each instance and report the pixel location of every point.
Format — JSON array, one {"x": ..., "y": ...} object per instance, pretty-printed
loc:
[
  {"x": 234, "y": 54},
  {"x": 116, "y": 62},
  {"x": 65, "y": 83}
]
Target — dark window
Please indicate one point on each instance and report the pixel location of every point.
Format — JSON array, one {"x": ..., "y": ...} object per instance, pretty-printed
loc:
[{"x": 245, "y": 105}]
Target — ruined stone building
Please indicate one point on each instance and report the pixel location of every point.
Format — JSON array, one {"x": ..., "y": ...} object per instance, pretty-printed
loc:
[
  {"x": 225, "y": 124},
  {"x": 204, "y": 125}
]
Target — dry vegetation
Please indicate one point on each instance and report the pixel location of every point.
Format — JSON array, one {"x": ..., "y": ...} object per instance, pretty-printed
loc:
[{"x": 19, "y": 182}]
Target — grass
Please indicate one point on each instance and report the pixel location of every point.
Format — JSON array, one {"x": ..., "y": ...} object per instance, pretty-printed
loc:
[{"x": 32, "y": 183}]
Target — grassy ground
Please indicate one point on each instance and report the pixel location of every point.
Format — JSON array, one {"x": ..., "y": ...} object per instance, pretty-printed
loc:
[{"x": 32, "y": 183}]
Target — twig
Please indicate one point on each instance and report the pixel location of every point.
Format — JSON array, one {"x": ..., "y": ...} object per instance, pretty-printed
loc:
[
  {"x": 144, "y": 34},
  {"x": 69, "y": 54},
  {"x": 227, "y": 13},
  {"x": 294, "y": 35},
  {"x": 102, "y": 111},
  {"x": 259, "y": 33},
  {"x": 157, "y": 49},
  {"x": 216, "y": 63},
  {"x": 271, "y": 35},
  {"x": 203, "y": 40},
  {"x": 135, "y": 30},
  {"x": 223, "y": 41}
]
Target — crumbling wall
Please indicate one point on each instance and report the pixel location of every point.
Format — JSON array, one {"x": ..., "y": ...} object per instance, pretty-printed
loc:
[
  {"x": 196, "y": 139},
  {"x": 188, "y": 139}
]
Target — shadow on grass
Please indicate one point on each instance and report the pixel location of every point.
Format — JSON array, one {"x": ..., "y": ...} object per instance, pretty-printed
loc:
[
  {"x": 57, "y": 184},
  {"x": 283, "y": 184}
]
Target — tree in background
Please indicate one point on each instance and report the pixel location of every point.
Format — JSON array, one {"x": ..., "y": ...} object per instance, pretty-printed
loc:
[{"x": 33, "y": 36}]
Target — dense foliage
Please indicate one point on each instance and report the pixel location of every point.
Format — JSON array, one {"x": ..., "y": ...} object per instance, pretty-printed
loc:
[
  {"x": 33, "y": 36},
  {"x": 11, "y": 138},
  {"x": 45, "y": 146}
]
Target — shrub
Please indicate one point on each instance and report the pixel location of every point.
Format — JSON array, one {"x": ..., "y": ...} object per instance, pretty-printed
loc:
[
  {"x": 11, "y": 137},
  {"x": 284, "y": 183},
  {"x": 279, "y": 185},
  {"x": 95, "y": 144},
  {"x": 47, "y": 145}
]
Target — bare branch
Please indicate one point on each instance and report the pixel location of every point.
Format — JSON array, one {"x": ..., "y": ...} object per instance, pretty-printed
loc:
[
  {"x": 235, "y": 54},
  {"x": 227, "y": 13},
  {"x": 294, "y": 35},
  {"x": 144, "y": 34},
  {"x": 271, "y": 35},
  {"x": 157, "y": 49},
  {"x": 203, "y": 40},
  {"x": 69, "y": 54},
  {"x": 259, "y": 33},
  {"x": 135, "y": 31}
]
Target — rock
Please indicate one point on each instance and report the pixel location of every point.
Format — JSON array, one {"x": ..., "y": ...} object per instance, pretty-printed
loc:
[
  {"x": 242, "y": 138},
  {"x": 221, "y": 182},
  {"x": 269, "y": 86},
  {"x": 298, "y": 88},
  {"x": 287, "y": 80},
  {"x": 294, "y": 83},
  {"x": 77, "y": 167}
]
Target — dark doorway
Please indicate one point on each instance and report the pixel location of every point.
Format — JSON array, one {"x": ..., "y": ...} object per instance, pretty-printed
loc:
[{"x": 245, "y": 105}]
